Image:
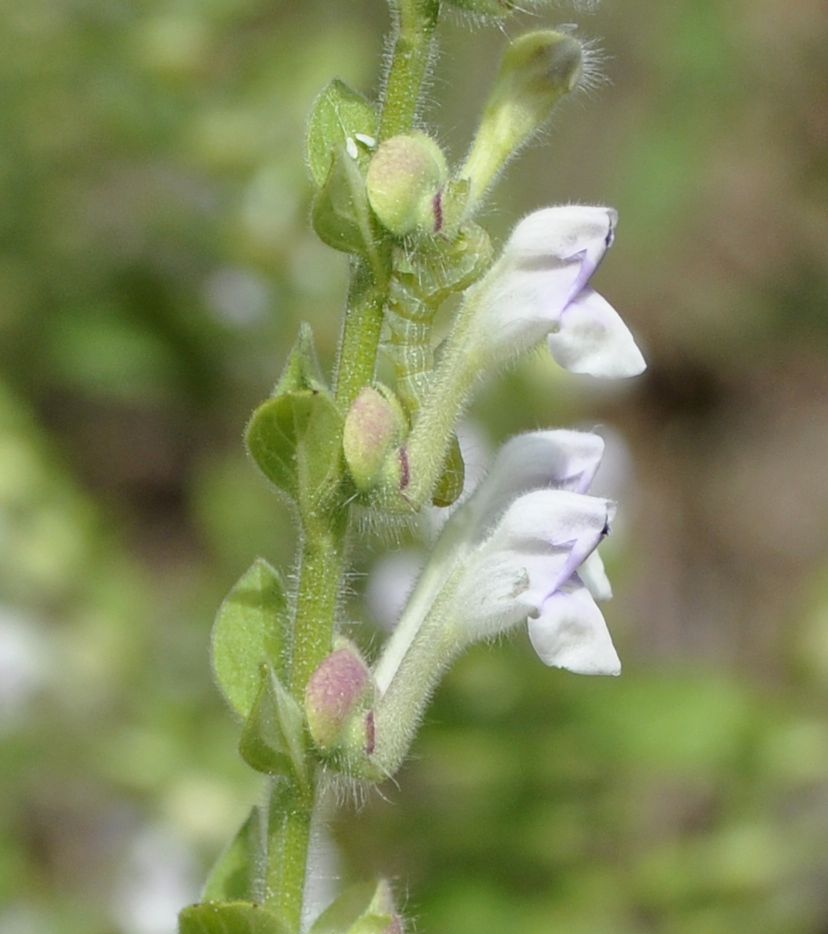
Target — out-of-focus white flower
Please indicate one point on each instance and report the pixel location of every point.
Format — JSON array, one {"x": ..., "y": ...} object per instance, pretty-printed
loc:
[
  {"x": 23, "y": 918},
  {"x": 26, "y": 665},
  {"x": 540, "y": 288},
  {"x": 158, "y": 877}
]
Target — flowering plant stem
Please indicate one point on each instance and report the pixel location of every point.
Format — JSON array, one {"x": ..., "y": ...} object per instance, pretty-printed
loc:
[{"x": 519, "y": 549}]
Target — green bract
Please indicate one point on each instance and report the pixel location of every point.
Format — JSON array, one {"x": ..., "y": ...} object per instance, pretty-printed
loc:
[
  {"x": 252, "y": 626},
  {"x": 339, "y": 115},
  {"x": 272, "y": 738},
  {"x": 232, "y": 875},
  {"x": 229, "y": 918},
  {"x": 301, "y": 371},
  {"x": 296, "y": 440},
  {"x": 340, "y": 213}
]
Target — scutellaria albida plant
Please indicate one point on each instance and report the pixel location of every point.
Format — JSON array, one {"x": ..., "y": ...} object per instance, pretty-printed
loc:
[{"x": 521, "y": 550}]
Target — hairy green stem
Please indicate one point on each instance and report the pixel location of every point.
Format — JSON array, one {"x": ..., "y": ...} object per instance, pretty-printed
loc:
[
  {"x": 412, "y": 54},
  {"x": 415, "y": 21},
  {"x": 320, "y": 580},
  {"x": 291, "y": 806},
  {"x": 360, "y": 334},
  {"x": 289, "y": 816}
]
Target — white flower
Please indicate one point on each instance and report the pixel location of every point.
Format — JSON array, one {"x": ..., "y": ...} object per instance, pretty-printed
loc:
[
  {"x": 524, "y": 546},
  {"x": 531, "y": 565},
  {"x": 540, "y": 288}
]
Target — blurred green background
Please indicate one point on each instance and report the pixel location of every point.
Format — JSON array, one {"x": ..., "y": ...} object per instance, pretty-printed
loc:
[{"x": 156, "y": 263}]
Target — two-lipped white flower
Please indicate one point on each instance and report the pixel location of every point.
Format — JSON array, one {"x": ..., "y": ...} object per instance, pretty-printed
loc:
[
  {"x": 522, "y": 547},
  {"x": 540, "y": 288},
  {"x": 530, "y": 567}
]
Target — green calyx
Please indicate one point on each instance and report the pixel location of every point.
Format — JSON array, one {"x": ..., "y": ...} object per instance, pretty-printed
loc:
[
  {"x": 375, "y": 424},
  {"x": 338, "y": 701},
  {"x": 404, "y": 184}
]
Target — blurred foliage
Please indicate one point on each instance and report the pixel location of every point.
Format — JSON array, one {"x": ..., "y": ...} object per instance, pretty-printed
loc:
[{"x": 156, "y": 264}]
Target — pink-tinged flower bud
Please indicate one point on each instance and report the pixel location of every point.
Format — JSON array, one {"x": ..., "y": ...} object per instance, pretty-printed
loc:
[
  {"x": 374, "y": 425},
  {"x": 404, "y": 183},
  {"x": 338, "y": 695}
]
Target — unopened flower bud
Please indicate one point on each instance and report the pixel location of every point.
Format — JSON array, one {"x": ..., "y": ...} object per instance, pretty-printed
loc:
[
  {"x": 338, "y": 694},
  {"x": 404, "y": 183},
  {"x": 374, "y": 425},
  {"x": 537, "y": 70}
]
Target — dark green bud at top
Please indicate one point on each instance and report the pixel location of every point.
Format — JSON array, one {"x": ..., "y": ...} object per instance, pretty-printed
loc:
[
  {"x": 404, "y": 184},
  {"x": 537, "y": 70}
]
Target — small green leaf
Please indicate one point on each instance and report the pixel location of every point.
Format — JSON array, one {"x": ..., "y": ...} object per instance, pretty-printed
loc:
[
  {"x": 340, "y": 213},
  {"x": 339, "y": 114},
  {"x": 272, "y": 738},
  {"x": 302, "y": 369},
  {"x": 229, "y": 918},
  {"x": 231, "y": 877},
  {"x": 296, "y": 439},
  {"x": 252, "y": 626}
]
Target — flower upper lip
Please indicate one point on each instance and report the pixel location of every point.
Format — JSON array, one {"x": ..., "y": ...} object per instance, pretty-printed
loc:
[{"x": 540, "y": 288}]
